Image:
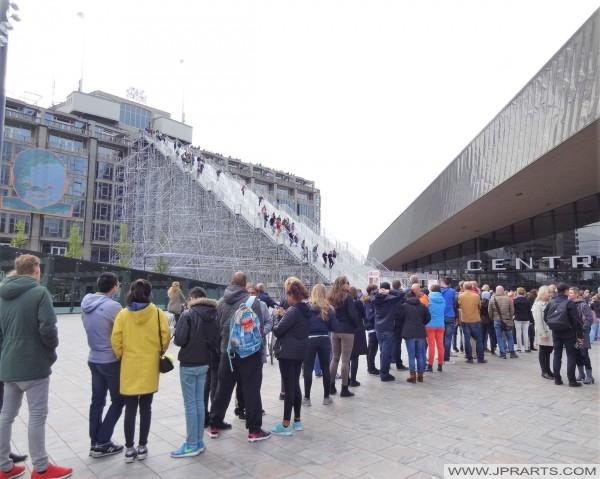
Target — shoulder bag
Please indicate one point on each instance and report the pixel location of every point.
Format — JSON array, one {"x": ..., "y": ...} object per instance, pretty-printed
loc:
[
  {"x": 165, "y": 364},
  {"x": 507, "y": 324}
]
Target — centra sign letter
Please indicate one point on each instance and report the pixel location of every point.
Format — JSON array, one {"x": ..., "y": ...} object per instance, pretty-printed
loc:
[{"x": 523, "y": 264}]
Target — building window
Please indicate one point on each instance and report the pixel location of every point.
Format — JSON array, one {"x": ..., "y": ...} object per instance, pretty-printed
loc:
[
  {"x": 103, "y": 191},
  {"x": 100, "y": 254},
  {"x": 118, "y": 212},
  {"x": 17, "y": 133},
  {"x": 77, "y": 187},
  {"x": 12, "y": 221},
  {"x": 102, "y": 211},
  {"x": 78, "y": 208},
  {"x": 119, "y": 192},
  {"x": 68, "y": 144},
  {"x": 104, "y": 170},
  {"x": 120, "y": 174},
  {"x": 5, "y": 175},
  {"x": 101, "y": 232},
  {"x": 135, "y": 116},
  {"x": 53, "y": 228}
]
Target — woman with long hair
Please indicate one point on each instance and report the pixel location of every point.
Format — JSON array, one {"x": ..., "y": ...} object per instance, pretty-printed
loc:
[
  {"x": 140, "y": 331},
  {"x": 342, "y": 338},
  {"x": 322, "y": 320},
  {"x": 292, "y": 337},
  {"x": 543, "y": 335},
  {"x": 176, "y": 300}
]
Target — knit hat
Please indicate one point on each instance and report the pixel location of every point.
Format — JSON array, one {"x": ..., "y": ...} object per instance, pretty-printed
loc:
[{"x": 384, "y": 285}]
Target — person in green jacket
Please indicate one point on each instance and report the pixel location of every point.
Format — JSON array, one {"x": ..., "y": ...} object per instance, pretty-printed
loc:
[{"x": 29, "y": 340}]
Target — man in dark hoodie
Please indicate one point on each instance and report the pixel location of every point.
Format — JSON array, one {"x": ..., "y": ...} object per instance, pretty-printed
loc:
[
  {"x": 387, "y": 312},
  {"x": 397, "y": 350},
  {"x": 29, "y": 340},
  {"x": 98, "y": 315},
  {"x": 247, "y": 372}
]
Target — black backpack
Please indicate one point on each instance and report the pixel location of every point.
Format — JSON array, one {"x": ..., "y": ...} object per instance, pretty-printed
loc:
[{"x": 557, "y": 317}]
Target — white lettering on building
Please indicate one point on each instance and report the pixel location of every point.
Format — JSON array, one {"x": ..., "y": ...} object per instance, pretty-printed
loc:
[{"x": 519, "y": 264}]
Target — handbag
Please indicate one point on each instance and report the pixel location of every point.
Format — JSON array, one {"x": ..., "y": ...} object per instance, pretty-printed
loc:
[
  {"x": 507, "y": 324},
  {"x": 165, "y": 363}
]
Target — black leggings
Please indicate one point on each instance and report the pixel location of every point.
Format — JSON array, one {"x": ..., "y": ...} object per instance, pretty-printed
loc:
[
  {"x": 131, "y": 407},
  {"x": 322, "y": 346},
  {"x": 544, "y": 358},
  {"x": 290, "y": 373}
]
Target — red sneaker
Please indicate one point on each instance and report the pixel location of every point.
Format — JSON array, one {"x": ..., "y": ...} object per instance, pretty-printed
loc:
[
  {"x": 16, "y": 471},
  {"x": 53, "y": 472}
]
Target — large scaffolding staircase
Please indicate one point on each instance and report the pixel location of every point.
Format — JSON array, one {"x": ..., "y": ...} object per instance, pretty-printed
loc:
[
  {"x": 180, "y": 222},
  {"x": 228, "y": 191}
]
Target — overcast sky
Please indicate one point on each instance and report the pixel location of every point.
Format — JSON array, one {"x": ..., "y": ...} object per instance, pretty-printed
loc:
[{"x": 372, "y": 99}]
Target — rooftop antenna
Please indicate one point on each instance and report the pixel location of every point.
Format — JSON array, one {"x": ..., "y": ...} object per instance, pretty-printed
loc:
[{"x": 81, "y": 16}]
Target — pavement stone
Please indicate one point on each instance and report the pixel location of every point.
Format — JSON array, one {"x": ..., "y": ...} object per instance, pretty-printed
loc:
[{"x": 499, "y": 412}]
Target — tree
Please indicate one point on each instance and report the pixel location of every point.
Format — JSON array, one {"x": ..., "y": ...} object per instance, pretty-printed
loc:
[
  {"x": 74, "y": 244},
  {"x": 20, "y": 238},
  {"x": 161, "y": 265},
  {"x": 123, "y": 246}
]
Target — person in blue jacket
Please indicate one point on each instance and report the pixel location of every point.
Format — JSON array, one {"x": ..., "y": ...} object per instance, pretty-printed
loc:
[
  {"x": 449, "y": 315},
  {"x": 435, "y": 328}
]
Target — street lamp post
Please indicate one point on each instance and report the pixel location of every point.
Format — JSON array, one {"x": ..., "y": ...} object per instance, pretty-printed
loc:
[{"x": 7, "y": 12}]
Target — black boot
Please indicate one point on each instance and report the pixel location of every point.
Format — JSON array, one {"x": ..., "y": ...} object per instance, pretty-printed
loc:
[
  {"x": 581, "y": 376},
  {"x": 589, "y": 379},
  {"x": 332, "y": 390},
  {"x": 346, "y": 392}
]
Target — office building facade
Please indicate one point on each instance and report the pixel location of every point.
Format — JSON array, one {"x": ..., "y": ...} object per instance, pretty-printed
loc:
[
  {"x": 61, "y": 168},
  {"x": 520, "y": 206}
]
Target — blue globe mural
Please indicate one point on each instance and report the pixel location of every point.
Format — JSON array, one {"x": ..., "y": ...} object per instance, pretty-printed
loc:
[{"x": 39, "y": 178}]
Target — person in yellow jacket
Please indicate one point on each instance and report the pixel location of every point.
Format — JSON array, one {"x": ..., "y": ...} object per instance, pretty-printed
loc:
[{"x": 136, "y": 342}]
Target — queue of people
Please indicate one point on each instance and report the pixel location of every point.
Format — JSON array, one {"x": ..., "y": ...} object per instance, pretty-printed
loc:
[{"x": 223, "y": 344}]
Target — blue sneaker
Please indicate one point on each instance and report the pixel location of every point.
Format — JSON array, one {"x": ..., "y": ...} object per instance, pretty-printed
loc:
[
  {"x": 187, "y": 451},
  {"x": 298, "y": 426},
  {"x": 281, "y": 430}
]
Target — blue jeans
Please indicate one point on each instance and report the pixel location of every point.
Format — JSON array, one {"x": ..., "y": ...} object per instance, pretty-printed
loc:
[
  {"x": 386, "y": 346},
  {"x": 416, "y": 353},
  {"x": 473, "y": 330},
  {"x": 594, "y": 331},
  {"x": 192, "y": 388},
  {"x": 105, "y": 378},
  {"x": 503, "y": 337},
  {"x": 448, "y": 333}
]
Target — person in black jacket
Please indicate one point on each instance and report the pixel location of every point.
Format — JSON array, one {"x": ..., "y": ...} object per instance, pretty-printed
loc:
[
  {"x": 397, "y": 348},
  {"x": 322, "y": 322},
  {"x": 387, "y": 314},
  {"x": 198, "y": 335},
  {"x": 359, "y": 348},
  {"x": 342, "y": 339},
  {"x": 523, "y": 318},
  {"x": 372, "y": 344},
  {"x": 415, "y": 316},
  {"x": 292, "y": 339},
  {"x": 566, "y": 338}
]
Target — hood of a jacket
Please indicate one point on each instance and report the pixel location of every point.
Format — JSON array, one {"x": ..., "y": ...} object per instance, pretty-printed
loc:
[
  {"x": 15, "y": 286},
  {"x": 413, "y": 300},
  {"x": 234, "y": 294},
  {"x": 143, "y": 315},
  {"x": 304, "y": 308},
  {"x": 382, "y": 298},
  {"x": 436, "y": 297},
  {"x": 91, "y": 301},
  {"x": 206, "y": 307}
]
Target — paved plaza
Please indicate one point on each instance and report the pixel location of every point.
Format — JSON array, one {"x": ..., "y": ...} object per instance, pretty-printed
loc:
[{"x": 500, "y": 412}]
